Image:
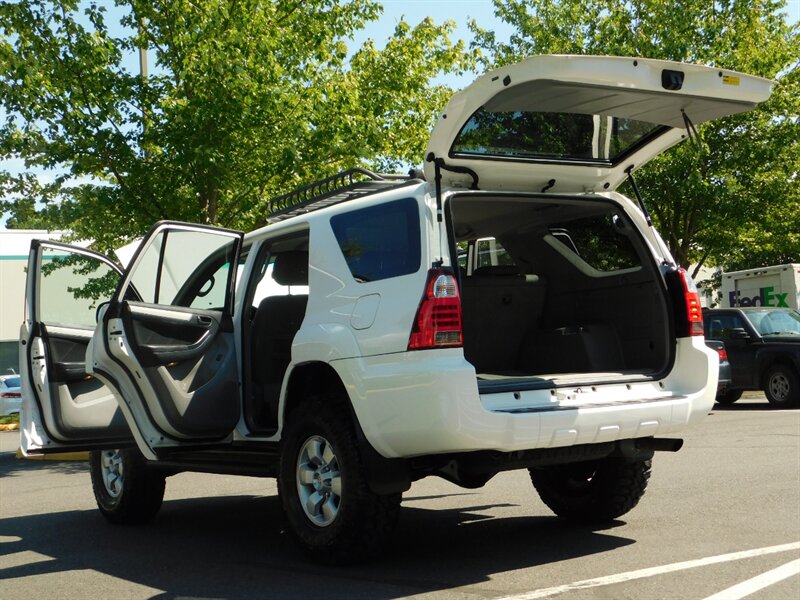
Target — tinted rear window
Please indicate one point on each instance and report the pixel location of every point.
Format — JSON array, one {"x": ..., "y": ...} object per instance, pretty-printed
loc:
[
  {"x": 599, "y": 241},
  {"x": 12, "y": 382},
  {"x": 551, "y": 136},
  {"x": 381, "y": 241}
]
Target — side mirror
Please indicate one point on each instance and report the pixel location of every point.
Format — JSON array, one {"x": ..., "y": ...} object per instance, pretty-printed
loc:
[{"x": 739, "y": 333}]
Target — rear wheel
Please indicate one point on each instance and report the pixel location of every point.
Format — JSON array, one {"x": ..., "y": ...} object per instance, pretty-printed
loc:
[
  {"x": 729, "y": 396},
  {"x": 126, "y": 490},
  {"x": 782, "y": 386},
  {"x": 593, "y": 491},
  {"x": 323, "y": 488}
]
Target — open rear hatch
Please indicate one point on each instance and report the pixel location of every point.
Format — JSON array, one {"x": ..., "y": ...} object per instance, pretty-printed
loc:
[
  {"x": 557, "y": 290},
  {"x": 558, "y": 284},
  {"x": 578, "y": 123}
]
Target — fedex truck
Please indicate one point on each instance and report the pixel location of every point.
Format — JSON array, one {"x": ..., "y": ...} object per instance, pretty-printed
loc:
[{"x": 777, "y": 286}]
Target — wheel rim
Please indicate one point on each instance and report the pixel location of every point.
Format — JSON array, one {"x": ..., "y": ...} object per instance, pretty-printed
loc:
[
  {"x": 112, "y": 471},
  {"x": 319, "y": 483},
  {"x": 779, "y": 387}
]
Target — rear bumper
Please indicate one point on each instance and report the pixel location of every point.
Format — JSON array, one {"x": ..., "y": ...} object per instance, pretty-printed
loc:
[
  {"x": 427, "y": 402},
  {"x": 724, "y": 381}
]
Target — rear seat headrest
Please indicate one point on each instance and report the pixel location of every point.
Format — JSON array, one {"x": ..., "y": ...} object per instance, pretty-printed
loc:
[
  {"x": 496, "y": 271},
  {"x": 291, "y": 268}
]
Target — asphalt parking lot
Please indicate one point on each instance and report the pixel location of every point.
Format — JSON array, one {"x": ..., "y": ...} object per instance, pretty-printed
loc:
[{"x": 720, "y": 519}]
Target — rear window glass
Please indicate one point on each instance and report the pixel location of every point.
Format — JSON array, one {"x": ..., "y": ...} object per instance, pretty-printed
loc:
[
  {"x": 602, "y": 242},
  {"x": 546, "y": 135},
  {"x": 492, "y": 254},
  {"x": 381, "y": 241},
  {"x": 12, "y": 382}
]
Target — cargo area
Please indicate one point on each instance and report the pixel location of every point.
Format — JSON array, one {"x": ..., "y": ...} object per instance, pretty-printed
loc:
[{"x": 557, "y": 290}]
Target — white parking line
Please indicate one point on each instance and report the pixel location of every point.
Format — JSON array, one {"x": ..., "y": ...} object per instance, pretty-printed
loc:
[
  {"x": 651, "y": 572},
  {"x": 751, "y": 586}
]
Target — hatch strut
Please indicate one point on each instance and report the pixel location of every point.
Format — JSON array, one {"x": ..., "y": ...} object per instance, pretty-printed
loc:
[
  {"x": 438, "y": 165},
  {"x": 629, "y": 173},
  {"x": 690, "y": 128}
]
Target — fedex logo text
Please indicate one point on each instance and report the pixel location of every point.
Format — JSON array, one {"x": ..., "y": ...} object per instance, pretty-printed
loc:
[{"x": 765, "y": 297}]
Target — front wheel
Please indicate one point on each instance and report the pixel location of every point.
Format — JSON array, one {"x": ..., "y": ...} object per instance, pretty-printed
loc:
[
  {"x": 126, "y": 490},
  {"x": 324, "y": 492},
  {"x": 782, "y": 386},
  {"x": 593, "y": 491}
]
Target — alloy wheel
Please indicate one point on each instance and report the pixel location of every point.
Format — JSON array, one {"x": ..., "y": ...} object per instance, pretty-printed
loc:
[
  {"x": 112, "y": 471},
  {"x": 319, "y": 482}
]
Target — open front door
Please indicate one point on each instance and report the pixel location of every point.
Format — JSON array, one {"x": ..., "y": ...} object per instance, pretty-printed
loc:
[
  {"x": 166, "y": 341},
  {"x": 64, "y": 408}
]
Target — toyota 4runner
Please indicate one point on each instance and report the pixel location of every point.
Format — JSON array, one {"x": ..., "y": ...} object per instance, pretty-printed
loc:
[{"x": 504, "y": 309}]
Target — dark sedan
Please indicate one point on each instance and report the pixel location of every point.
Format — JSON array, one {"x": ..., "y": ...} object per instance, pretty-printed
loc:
[{"x": 10, "y": 396}]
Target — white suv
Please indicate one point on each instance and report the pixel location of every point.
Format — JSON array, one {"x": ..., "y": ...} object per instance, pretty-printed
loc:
[{"x": 505, "y": 309}]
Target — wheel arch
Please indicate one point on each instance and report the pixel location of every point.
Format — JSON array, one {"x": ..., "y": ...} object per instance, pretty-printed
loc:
[
  {"x": 775, "y": 359},
  {"x": 318, "y": 379},
  {"x": 314, "y": 379}
]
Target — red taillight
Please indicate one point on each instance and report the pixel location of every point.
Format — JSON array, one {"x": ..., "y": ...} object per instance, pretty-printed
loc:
[
  {"x": 694, "y": 312},
  {"x": 438, "y": 320},
  {"x": 10, "y": 395},
  {"x": 723, "y": 354}
]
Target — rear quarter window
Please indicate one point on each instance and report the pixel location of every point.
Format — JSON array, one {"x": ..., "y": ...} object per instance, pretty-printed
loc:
[
  {"x": 602, "y": 242},
  {"x": 381, "y": 241}
]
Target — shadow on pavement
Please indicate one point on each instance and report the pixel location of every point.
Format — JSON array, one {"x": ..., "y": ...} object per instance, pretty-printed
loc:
[
  {"x": 11, "y": 465},
  {"x": 750, "y": 406},
  {"x": 236, "y": 547}
]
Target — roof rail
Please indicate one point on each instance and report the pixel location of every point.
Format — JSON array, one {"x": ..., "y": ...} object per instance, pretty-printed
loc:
[{"x": 346, "y": 185}]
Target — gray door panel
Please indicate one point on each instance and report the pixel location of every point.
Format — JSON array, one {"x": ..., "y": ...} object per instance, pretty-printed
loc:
[
  {"x": 63, "y": 406},
  {"x": 191, "y": 364}
]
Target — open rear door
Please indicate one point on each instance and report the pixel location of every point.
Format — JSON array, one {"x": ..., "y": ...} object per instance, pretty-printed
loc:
[
  {"x": 64, "y": 408},
  {"x": 166, "y": 341}
]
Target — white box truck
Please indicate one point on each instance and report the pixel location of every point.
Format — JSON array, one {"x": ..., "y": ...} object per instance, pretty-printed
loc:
[{"x": 777, "y": 286}]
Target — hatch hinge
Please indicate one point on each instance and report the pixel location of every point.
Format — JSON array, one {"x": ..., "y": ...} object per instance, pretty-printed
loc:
[
  {"x": 438, "y": 166},
  {"x": 629, "y": 173}
]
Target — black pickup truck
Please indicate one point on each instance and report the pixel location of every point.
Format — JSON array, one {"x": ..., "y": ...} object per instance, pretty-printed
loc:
[{"x": 763, "y": 347}]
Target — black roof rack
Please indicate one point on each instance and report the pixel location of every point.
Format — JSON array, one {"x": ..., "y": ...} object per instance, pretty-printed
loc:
[{"x": 347, "y": 185}]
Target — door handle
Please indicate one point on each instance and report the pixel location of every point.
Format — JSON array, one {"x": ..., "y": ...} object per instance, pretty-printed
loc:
[{"x": 204, "y": 320}]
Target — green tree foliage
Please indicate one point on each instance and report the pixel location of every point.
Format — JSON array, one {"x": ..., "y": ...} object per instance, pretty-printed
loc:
[
  {"x": 245, "y": 99},
  {"x": 735, "y": 199}
]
